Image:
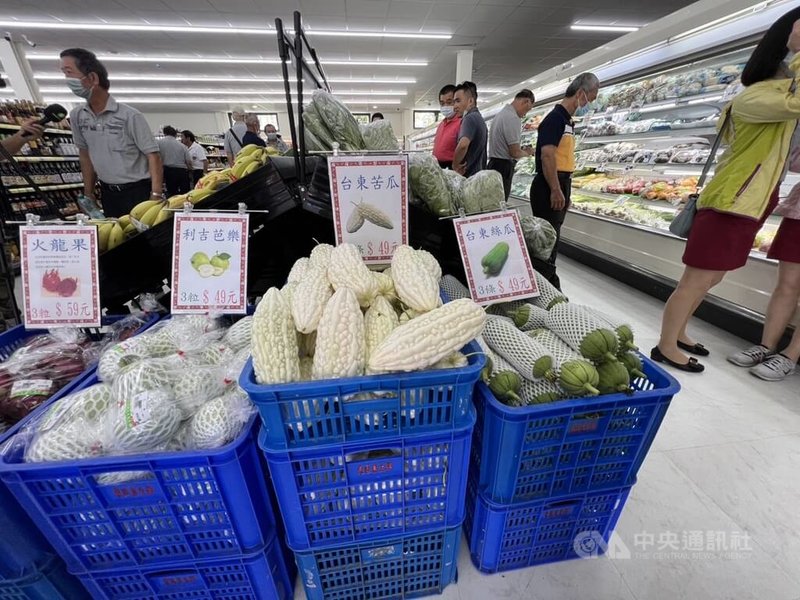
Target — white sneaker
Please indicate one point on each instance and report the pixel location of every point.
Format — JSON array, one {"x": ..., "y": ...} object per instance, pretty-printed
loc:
[
  {"x": 751, "y": 357},
  {"x": 776, "y": 368}
]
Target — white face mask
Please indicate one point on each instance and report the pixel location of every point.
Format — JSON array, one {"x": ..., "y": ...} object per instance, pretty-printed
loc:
[
  {"x": 76, "y": 87},
  {"x": 447, "y": 111}
]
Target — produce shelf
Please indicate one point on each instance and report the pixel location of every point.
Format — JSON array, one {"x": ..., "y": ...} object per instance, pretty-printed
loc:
[{"x": 700, "y": 134}]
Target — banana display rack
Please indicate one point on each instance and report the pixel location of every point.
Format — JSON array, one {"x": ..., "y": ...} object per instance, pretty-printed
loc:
[{"x": 142, "y": 263}]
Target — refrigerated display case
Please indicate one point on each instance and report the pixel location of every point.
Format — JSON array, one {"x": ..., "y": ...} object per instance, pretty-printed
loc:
[{"x": 641, "y": 150}]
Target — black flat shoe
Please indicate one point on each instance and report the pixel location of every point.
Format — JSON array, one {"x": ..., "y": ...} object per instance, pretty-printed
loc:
[
  {"x": 697, "y": 349},
  {"x": 691, "y": 367}
]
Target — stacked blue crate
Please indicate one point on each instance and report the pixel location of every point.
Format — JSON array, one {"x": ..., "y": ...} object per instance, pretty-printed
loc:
[
  {"x": 160, "y": 525},
  {"x": 548, "y": 482},
  {"x": 370, "y": 475},
  {"x": 29, "y": 566}
]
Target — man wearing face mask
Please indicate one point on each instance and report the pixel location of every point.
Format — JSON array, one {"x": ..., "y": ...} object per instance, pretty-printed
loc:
[
  {"x": 114, "y": 139},
  {"x": 274, "y": 139},
  {"x": 444, "y": 144},
  {"x": 555, "y": 162}
]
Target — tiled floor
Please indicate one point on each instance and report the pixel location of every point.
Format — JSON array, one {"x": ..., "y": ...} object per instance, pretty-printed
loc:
[{"x": 724, "y": 467}]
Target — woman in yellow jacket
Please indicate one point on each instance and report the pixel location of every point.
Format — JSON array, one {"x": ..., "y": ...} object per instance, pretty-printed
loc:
[{"x": 744, "y": 190}]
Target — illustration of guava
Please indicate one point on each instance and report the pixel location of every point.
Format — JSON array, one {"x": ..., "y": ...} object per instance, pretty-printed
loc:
[
  {"x": 205, "y": 270},
  {"x": 199, "y": 259},
  {"x": 220, "y": 262}
]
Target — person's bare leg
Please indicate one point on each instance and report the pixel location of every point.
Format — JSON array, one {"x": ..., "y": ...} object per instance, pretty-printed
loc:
[
  {"x": 782, "y": 305},
  {"x": 691, "y": 290},
  {"x": 683, "y": 336}
]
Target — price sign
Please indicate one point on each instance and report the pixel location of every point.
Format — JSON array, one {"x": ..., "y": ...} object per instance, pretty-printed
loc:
[
  {"x": 370, "y": 204},
  {"x": 209, "y": 263},
  {"x": 60, "y": 282},
  {"x": 495, "y": 257}
]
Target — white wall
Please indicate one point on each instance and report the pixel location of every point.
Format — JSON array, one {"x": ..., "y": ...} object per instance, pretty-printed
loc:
[
  {"x": 217, "y": 122},
  {"x": 200, "y": 122}
]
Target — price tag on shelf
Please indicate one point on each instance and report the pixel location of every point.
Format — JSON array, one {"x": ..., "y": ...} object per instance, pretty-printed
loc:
[
  {"x": 370, "y": 203},
  {"x": 60, "y": 280},
  {"x": 209, "y": 263},
  {"x": 495, "y": 257}
]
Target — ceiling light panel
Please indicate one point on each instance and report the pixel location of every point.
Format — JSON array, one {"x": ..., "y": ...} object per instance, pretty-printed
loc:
[
  {"x": 192, "y": 29},
  {"x": 256, "y": 92},
  {"x": 220, "y": 100},
  {"x": 605, "y": 28},
  {"x": 234, "y": 60},
  {"x": 202, "y": 79}
]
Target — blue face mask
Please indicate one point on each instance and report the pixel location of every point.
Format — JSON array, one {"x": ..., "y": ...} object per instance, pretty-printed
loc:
[
  {"x": 582, "y": 110},
  {"x": 447, "y": 111},
  {"x": 76, "y": 87}
]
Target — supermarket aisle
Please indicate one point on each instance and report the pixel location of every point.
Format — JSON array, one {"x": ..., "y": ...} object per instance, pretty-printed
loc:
[{"x": 722, "y": 471}]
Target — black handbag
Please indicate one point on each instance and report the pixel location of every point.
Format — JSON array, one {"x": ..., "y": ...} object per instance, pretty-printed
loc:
[{"x": 681, "y": 225}]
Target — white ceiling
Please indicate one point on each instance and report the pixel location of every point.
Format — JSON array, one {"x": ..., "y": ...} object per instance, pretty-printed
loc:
[{"x": 512, "y": 40}]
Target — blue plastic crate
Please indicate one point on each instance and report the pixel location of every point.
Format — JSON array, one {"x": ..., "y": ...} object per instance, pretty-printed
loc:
[
  {"x": 570, "y": 446},
  {"x": 504, "y": 537},
  {"x": 50, "y": 581},
  {"x": 310, "y": 413},
  {"x": 262, "y": 575},
  {"x": 181, "y": 506},
  {"x": 21, "y": 544},
  {"x": 404, "y": 567},
  {"x": 362, "y": 491}
]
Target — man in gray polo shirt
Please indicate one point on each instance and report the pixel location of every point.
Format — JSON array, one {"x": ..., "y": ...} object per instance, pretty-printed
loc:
[
  {"x": 504, "y": 138},
  {"x": 177, "y": 162},
  {"x": 470, "y": 154},
  {"x": 114, "y": 139}
]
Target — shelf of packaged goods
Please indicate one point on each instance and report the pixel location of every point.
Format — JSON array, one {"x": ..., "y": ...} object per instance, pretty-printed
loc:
[
  {"x": 675, "y": 135},
  {"x": 661, "y": 169},
  {"x": 47, "y": 188},
  {"x": 657, "y": 205},
  {"x": 225, "y": 156},
  {"x": 525, "y": 175},
  {"x": 48, "y": 130},
  {"x": 217, "y": 144},
  {"x": 26, "y": 158},
  {"x": 621, "y": 199}
]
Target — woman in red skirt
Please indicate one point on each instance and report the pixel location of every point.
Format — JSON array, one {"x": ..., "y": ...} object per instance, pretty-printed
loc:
[
  {"x": 762, "y": 120},
  {"x": 764, "y": 360}
]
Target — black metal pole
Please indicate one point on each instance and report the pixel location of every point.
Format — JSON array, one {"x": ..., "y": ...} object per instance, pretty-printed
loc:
[
  {"x": 299, "y": 142},
  {"x": 298, "y": 53}
]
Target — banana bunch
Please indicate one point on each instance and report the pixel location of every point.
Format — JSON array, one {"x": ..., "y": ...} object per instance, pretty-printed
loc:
[
  {"x": 214, "y": 180},
  {"x": 110, "y": 234},
  {"x": 249, "y": 159}
]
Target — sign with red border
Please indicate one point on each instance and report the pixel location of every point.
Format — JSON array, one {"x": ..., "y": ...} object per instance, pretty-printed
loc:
[
  {"x": 60, "y": 280},
  {"x": 495, "y": 257},
  {"x": 209, "y": 263},
  {"x": 370, "y": 203}
]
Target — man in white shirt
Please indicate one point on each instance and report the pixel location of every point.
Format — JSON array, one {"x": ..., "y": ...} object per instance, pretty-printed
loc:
[
  {"x": 197, "y": 154},
  {"x": 235, "y": 135}
]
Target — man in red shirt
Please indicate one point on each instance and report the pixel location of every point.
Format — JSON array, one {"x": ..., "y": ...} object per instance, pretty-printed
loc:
[{"x": 444, "y": 144}]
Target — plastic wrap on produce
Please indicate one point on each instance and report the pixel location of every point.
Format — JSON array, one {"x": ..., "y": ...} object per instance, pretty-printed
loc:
[
  {"x": 317, "y": 128},
  {"x": 455, "y": 184},
  {"x": 483, "y": 192},
  {"x": 540, "y": 237},
  {"x": 339, "y": 120},
  {"x": 172, "y": 389},
  {"x": 379, "y": 135},
  {"x": 428, "y": 183}
]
